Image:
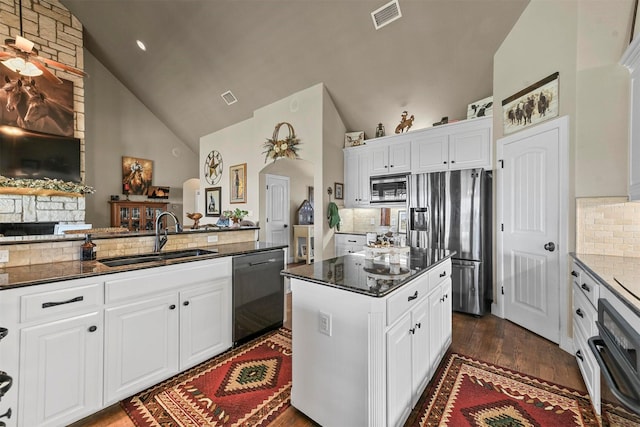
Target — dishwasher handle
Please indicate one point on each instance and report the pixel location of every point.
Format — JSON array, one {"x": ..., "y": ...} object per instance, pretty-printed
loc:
[{"x": 269, "y": 261}]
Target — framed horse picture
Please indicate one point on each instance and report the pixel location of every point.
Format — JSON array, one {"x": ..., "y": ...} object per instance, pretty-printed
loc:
[
  {"x": 532, "y": 105},
  {"x": 137, "y": 175},
  {"x": 36, "y": 104}
]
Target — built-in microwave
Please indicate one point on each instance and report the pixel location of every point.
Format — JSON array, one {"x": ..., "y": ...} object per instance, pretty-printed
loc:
[{"x": 388, "y": 189}]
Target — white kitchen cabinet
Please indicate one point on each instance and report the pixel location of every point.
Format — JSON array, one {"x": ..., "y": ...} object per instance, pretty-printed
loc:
[
  {"x": 61, "y": 370},
  {"x": 141, "y": 344},
  {"x": 370, "y": 366},
  {"x": 205, "y": 316},
  {"x": 586, "y": 292},
  {"x": 349, "y": 243},
  {"x": 631, "y": 60},
  {"x": 390, "y": 158},
  {"x": 53, "y": 351},
  {"x": 357, "y": 166},
  {"x": 408, "y": 367},
  {"x": 159, "y": 322},
  {"x": 460, "y": 145}
]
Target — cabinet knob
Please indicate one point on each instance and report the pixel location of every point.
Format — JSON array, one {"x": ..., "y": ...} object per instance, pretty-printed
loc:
[
  {"x": 579, "y": 313},
  {"x": 444, "y": 163},
  {"x": 574, "y": 273},
  {"x": 444, "y": 273},
  {"x": 453, "y": 161},
  {"x": 93, "y": 328},
  {"x": 3, "y": 333},
  {"x": 185, "y": 303},
  {"x": 586, "y": 287},
  {"x": 418, "y": 325},
  {"x": 412, "y": 331},
  {"x": 172, "y": 307},
  {"x": 412, "y": 297},
  {"x": 579, "y": 355},
  {"x": 391, "y": 166},
  {"x": 6, "y": 414}
]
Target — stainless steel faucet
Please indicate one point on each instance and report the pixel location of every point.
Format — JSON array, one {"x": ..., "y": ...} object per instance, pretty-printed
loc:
[{"x": 162, "y": 240}]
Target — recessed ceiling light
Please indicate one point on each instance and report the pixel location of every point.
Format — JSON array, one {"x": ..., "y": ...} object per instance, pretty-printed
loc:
[{"x": 141, "y": 45}]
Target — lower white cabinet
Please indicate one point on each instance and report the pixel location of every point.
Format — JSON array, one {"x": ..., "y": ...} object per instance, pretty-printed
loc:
[
  {"x": 349, "y": 243},
  {"x": 77, "y": 346},
  {"x": 359, "y": 360},
  {"x": 173, "y": 318},
  {"x": 141, "y": 345},
  {"x": 61, "y": 370}
]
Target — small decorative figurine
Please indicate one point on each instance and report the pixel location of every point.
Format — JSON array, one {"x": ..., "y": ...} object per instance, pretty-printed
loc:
[
  {"x": 379, "y": 130},
  {"x": 196, "y": 219},
  {"x": 404, "y": 123}
]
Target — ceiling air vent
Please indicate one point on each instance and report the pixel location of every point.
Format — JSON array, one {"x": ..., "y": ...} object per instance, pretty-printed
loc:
[
  {"x": 386, "y": 14},
  {"x": 229, "y": 98}
]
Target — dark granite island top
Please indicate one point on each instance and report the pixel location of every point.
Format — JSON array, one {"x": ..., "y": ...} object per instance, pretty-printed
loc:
[
  {"x": 14, "y": 277},
  {"x": 372, "y": 277}
]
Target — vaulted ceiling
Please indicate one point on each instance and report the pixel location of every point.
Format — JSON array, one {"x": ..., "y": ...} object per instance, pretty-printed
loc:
[{"x": 433, "y": 61}]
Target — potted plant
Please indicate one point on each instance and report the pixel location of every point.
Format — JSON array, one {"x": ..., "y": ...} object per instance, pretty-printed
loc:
[{"x": 235, "y": 215}]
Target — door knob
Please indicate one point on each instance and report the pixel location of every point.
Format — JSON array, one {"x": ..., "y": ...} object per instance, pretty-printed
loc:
[{"x": 550, "y": 246}]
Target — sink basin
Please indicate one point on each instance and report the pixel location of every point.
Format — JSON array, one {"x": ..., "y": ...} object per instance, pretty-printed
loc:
[{"x": 143, "y": 258}]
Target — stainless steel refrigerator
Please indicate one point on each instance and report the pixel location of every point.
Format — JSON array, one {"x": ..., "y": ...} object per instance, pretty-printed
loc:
[{"x": 452, "y": 210}]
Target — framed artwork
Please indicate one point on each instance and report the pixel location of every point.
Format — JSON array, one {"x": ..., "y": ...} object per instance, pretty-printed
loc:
[
  {"x": 158, "y": 192},
  {"x": 238, "y": 182},
  {"x": 50, "y": 105},
  {"x": 481, "y": 108},
  {"x": 532, "y": 105},
  {"x": 402, "y": 221},
  {"x": 212, "y": 199},
  {"x": 338, "y": 191},
  {"x": 137, "y": 175},
  {"x": 353, "y": 139}
]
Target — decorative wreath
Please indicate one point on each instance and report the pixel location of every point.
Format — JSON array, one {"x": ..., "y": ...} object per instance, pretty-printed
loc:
[{"x": 276, "y": 148}]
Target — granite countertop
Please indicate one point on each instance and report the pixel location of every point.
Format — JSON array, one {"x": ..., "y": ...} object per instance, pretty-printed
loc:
[
  {"x": 373, "y": 277},
  {"x": 620, "y": 274},
  {"x": 14, "y": 277}
]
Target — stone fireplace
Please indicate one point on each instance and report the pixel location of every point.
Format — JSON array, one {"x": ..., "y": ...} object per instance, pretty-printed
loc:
[{"x": 35, "y": 211}]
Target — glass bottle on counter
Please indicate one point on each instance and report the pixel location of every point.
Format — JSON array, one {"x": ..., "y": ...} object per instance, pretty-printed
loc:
[{"x": 88, "y": 251}]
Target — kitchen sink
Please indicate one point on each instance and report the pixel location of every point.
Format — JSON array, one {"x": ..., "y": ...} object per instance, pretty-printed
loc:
[{"x": 155, "y": 256}]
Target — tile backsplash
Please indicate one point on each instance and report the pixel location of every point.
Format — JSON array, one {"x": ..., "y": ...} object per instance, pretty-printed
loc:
[
  {"x": 608, "y": 226},
  {"x": 363, "y": 220}
]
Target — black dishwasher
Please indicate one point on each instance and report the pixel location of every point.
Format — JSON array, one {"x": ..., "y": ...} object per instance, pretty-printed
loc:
[{"x": 258, "y": 294}]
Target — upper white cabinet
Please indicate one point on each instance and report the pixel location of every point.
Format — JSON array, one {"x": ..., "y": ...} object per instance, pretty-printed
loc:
[
  {"x": 462, "y": 145},
  {"x": 391, "y": 158},
  {"x": 357, "y": 165},
  {"x": 631, "y": 60}
]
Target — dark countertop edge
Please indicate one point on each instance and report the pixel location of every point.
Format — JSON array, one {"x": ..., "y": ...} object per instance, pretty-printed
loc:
[
  {"x": 100, "y": 236},
  {"x": 104, "y": 270},
  {"x": 286, "y": 273},
  {"x": 612, "y": 288}
]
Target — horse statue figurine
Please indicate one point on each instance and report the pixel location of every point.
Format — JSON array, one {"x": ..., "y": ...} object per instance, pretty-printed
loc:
[{"x": 404, "y": 123}]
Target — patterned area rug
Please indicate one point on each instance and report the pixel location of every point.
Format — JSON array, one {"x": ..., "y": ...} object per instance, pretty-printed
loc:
[
  {"x": 467, "y": 392},
  {"x": 246, "y": 386}
]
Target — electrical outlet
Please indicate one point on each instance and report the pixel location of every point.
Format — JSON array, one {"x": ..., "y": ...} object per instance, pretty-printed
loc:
[
  {"x": 212, "y": 239},
  {"x": 372, "y": 221},
  {"x": 4, "y": 256},
  {"x": 325, "y": 323}
]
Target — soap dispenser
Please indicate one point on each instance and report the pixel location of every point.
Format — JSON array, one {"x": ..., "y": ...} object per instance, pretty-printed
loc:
[{"x": 88, "y": 252}]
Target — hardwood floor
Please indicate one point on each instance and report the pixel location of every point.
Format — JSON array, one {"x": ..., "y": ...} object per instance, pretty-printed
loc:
[{"x": 487, "y": 338}]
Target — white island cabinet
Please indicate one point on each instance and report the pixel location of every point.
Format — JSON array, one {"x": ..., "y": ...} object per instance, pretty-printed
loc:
[{"x": 363, "y": 360}]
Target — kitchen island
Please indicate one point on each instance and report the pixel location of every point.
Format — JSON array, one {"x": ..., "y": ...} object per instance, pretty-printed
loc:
[{"x": 368, "y": 335}]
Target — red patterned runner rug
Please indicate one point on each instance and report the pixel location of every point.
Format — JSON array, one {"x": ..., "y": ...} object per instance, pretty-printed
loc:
[
  {"x": 468, "y": 392},
  {"x": 247, "y": 386}
]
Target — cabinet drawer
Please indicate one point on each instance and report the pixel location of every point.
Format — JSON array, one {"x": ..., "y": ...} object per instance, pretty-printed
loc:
[
  {"x": 49, "y": 304},
  {"x": 439, "y": 273},
  {"x": 589, "y": 288},
  {"x": 405, "y": 298},
  {"x": 351, "y": 240},
  {"x": 583, "y": 313}
]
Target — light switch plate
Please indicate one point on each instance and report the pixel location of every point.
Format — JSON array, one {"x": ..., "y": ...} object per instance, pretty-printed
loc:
[
  {"x": 324, "y": 323},
  {"x": 4, "y": 256}
]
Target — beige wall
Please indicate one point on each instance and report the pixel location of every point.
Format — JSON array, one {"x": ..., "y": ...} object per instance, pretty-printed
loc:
[
  {"x": 243, "y": 143},
  {"x": 118, "y": 124}
]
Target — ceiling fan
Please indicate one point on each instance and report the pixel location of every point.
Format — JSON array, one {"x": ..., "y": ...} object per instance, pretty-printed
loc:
[{"x": 21, "y": 57}]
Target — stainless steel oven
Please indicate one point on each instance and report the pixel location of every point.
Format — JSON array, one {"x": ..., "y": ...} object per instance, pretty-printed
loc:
[
  {"x": 388, "y": 189},
  {"x": 617, "y": 351}
]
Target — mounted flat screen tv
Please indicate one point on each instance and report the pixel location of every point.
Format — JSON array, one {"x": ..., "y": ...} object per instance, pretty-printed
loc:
[{"x": 34, "y": 155}]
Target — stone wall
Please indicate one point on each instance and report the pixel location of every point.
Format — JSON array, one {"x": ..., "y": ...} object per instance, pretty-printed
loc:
[
  {"x": 57, "y": 35},
  {"x": 16, "y": 208}
]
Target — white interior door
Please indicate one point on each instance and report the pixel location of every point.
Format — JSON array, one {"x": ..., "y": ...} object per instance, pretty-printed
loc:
[
  {"x": 277, "y": 210},
  {"x": 530, "y": 216}
]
